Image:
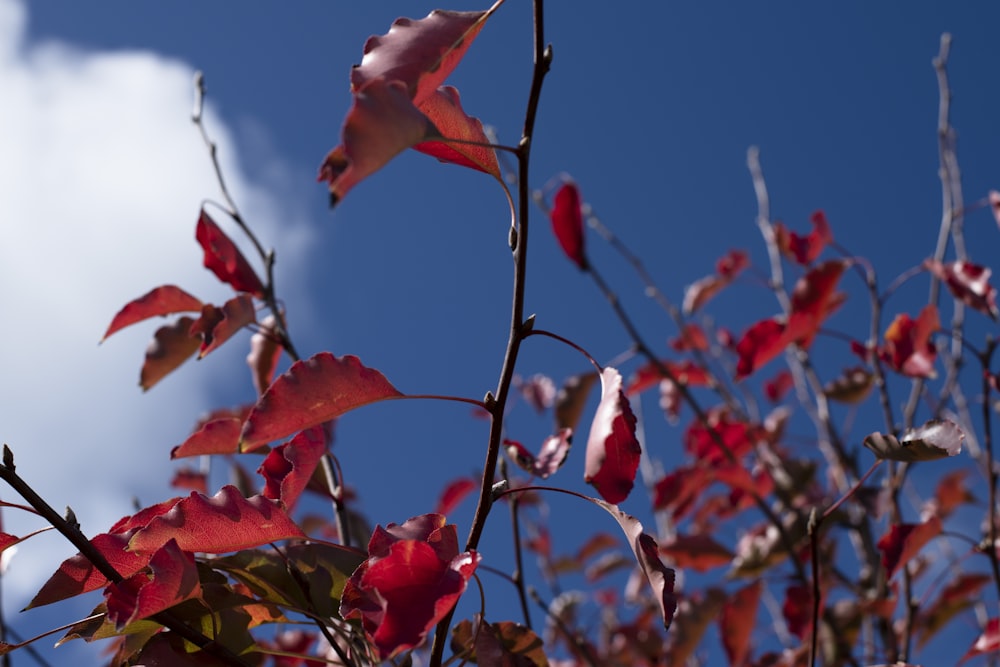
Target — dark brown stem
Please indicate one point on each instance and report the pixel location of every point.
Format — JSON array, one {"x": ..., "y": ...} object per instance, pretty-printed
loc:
[
  {"x": 71, "y": 531},
  {"x": 542, "y": 57}
]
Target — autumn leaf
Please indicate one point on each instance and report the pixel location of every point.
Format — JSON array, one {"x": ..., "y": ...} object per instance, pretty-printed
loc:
[
  {"x": 225, "y": 522},
  {"x": 649, "y": 375},
  {"x": 958, "y": 595},
  {"x": 313, "y": 391},
  {"x": 987, "y": 642},
  {"x": 904, "y": 540},
  {"x": 737, "y": 621},
  {"x": 173, "y": 578},
  {"x": 852, "y": 386},
  {"x": 613, "y": 451},
  {"x": 453, "y": 494},
  {"x": 218, "y": 436},
  {"x": 571, "y": 399},
  {"x": 381, "y": 124},
  {"x": 566, "y": 217},
  {"x": 759, "y": 344},
  {"x": 697, "y": 552},
  {"x": 937, "y": 439},
  {"x": 224, "y": 259},
  {"x": 217, "y": 325},
  {"x": 969, "y": 283},
  {"x": 550, "y": 457},
  {"x": 444, "y": 109},
  {"x": 413, "y": 577},
  {"x": 908, "y": 349},
  {"x": 288, "y": 468},
  {"x": 162, "y": 301},
  {"x": 804, "y": 249},
  {"x": 265, "y": 351},
  {"x": 726, "y": 269},
  {"x": 171, "y": 346}
]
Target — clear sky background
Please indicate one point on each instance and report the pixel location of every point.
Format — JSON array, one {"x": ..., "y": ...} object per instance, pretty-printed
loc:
[{"x": 650, "y": 106}]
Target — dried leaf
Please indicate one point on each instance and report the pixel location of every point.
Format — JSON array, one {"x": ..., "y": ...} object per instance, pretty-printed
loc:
[{"x": 937, "y": 439}]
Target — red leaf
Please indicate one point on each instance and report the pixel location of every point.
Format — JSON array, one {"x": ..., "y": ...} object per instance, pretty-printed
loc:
[
  {"x": 950, "y": 493},
  {"x": 813, "y": 300},
  {"x": 313, "y": 391},
  {"x": 904, "y": 540},
  {"x": 987, "y": 642},
  {"x": 217, "y": 325},
  {"x": 265, "y": 351},
  {"x": 760, "y": 344},
  {"x": 172, "y": 345},
  {"x": 567, "y": 223},
  {"x": 908, "y": 349},
  {"x": 78, "y": 575},
  {"x": 421, "y": 54},
  {"x": 805, "y": 249},
  {"x": 659, "y": 576},
  {"x": 778, "y": 386},
  {"x": 738, "y": 437},
  {"x": 960, "y": 594},
  {"x": 453, "y": 494},
  {"x": 969, "y": 283},
  {"x": 726, "y": 269},
  {"x": 219, "y": 436},
  {"x": 225, "y": 522},
  {"x": 444, "y": 109},
  {"x": 163, "y": 300},
  {"x": 737, "y": 621},
  {"x": 224, "y": 259},
  {"x": 691, "y": 338},
  {"x": 413, "y": 577},
  {"x": 686, "y": 372},
  {"x": 798, "y": 610},
  {"x": 173, "y": 578},
  {"x": 288, "y": 468},
  {"x": 697, "y": 552},
  {"x": 612, "y": 449},
  {"x": 731, "y": 264},
  {"x": 550, "y": 458},
  {"x": 382, "y": 123},
  {"x": 190, "y": 480}
]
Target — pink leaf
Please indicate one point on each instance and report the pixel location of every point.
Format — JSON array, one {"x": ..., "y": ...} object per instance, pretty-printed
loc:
[
  {"x": 987, "y": 642},
  {"x": 288, "y": 468},
  {"x": 969, "y": 283},
  {"x": 225, "y": 522},
  {"x": 444, "y": 109},
  {"x": 311, "y": 392},
  {"x": 567, "y": 223},
  {"x": 224, "y": 259},
  {"x": 163, "y": 300},
  {"x": 420, "y": 54},
  {"x": 612, "y": 449},
  {"x": 550, "y": 458}
]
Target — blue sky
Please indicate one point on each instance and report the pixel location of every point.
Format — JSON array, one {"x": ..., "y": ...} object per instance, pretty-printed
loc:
[{"x": 650, "y": 108}]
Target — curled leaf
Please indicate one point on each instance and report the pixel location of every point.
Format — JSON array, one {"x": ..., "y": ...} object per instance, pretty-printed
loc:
[
  {"x": 567, "y": 223},
  {"x": 224, "y": 259},
  {"x": 969, "y": 283},
  {"x": 265, "y": 351},
  {"x": 908, "y": 349},
  {"x": 612, "y": 449},
  {"x": 937, "y": 439},
  {"x": 171, "y": 346},
  {"x": 217, "y": 325}
]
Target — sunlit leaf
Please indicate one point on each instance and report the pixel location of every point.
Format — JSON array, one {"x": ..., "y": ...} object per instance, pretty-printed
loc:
[
  {"x": 908, "y": 348},
  {"x": 454, "y": 493},
  {"x": 444, "y": 109},
  {"x": 265, "y": 351},
  {"x": 805, "y": 249},
  {"x": 987, "y": 642},
  {"x": 550, "y": 457},
  {"x": 219, "y": 436},
  {"x": 313, "y": 391},
  {"x": 225, "y": 522},
  {"x": 969, "y": 283},
  {"x": 726, "y": 269},
  {"x": 613, "y": 451},
  {"x": 164, "y": 300},
  {"x": 649, "y": 375},
  {"x": 224, "y": 259}
]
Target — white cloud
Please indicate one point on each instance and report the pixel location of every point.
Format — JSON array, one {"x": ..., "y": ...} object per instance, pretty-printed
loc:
[{"x": 101, "y": 177}]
